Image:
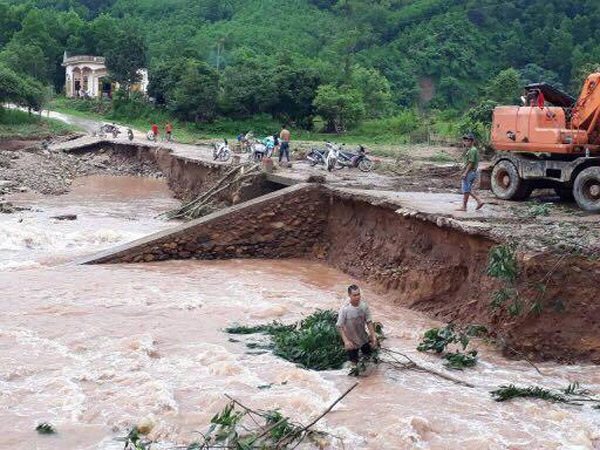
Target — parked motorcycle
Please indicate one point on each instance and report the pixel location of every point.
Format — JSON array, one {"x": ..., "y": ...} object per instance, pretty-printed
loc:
[
  {"x": 247, "y": 141},
  {"x": 109, "y": 128},
  {"x": 221, "y": 152},
  {"x": 130, "y": 134},
  {"x": 333, "y": 155},
  {"x": 359, "y": 159},
  {"x": 263, "y": 149},
  {"x": 316, "y": 156}
]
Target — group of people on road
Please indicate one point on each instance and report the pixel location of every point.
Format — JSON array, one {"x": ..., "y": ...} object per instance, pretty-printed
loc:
[
  {"x": 277, "y": 142},
  {"x": 168, "y": 131}
]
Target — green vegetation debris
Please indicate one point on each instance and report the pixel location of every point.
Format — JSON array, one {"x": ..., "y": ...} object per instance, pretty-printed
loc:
[
  {"x": 45, "y": 428},
  {"x": 573, "y": 394},
  {"x": 542, "y": 209},
  {"x": 459, "y": 361},
  {"x": 502, "y": 263},
  {"x": 505, "y": 393},
  {"x": 438, "y": 339},
  {"x": 313, "y": 343}
]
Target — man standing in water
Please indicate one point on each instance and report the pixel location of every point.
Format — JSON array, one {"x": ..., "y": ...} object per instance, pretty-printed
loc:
[
  {"x": 353, "y": 320},
  {"x": 469, "y": 174},
  {"x": 285, "y": 137}
]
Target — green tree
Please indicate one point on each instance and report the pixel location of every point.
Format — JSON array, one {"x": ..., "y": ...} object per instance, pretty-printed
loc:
[
  {"x": 21, "y": 90},
  {"x": 248, "y": 87},
  {"x": 532, "y": 73},
  {"x": 296, "y": 89},
  {"x": 165, "y": 76},
  {"x": 505, "y": 88},
  {"x": 126, "y": 56},
  {"x": 341, "y": 107},
  {"x": 375, "y": 90},
  {"x": 26, "y": 58},
  {"x": 195, "y": 96}
]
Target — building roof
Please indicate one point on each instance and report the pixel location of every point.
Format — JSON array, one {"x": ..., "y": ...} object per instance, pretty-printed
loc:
[{"x": 77, "y": 59}]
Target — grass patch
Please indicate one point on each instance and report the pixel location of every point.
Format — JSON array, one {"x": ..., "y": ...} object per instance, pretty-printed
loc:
[
  {"x": 16, "y": 124},
  {"x": 442, "y": 157},
  {"x": 313, "y": 343}
]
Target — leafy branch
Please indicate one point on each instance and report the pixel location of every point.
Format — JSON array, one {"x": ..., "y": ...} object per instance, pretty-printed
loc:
[
  {"x": 438, "y": 339},
  {"x": 572, "y": 394}
]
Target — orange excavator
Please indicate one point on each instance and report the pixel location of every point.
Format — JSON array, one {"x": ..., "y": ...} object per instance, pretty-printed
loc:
[{"x": 553, "y": 141}]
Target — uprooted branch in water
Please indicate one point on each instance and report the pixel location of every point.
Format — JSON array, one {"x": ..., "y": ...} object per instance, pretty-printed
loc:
[
  {"x": 315, "y": 343},
  {"x": 238, "y": 427},
  {"x": 198, "y": 207}
]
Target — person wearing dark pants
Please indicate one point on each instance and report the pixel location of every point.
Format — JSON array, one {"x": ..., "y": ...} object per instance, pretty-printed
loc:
[
  {"x": 353, "y": 321},
  {"x": 285, "y": 137}
]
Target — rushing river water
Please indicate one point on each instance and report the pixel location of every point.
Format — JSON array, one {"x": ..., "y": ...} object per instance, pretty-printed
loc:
[{"x": 94, "y": 349}]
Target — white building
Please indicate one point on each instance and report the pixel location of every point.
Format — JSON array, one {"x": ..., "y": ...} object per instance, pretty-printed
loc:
[{"x": 85, "y": 77}]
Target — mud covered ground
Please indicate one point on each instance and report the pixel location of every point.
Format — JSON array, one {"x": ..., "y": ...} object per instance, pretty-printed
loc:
[{"x": 28, "y": 166}]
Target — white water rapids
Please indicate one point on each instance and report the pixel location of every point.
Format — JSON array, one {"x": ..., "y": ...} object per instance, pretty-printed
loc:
[{"x": 95, "y": 349}]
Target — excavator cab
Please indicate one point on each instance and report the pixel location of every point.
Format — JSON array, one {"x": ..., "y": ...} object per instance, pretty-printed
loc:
[
  {"x": 541, "y": 126},
  {"x": 552, "y": 141}
]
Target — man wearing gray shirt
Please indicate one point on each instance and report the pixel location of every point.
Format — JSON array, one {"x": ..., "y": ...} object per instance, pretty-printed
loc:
[{"x": 353, "y": 320}]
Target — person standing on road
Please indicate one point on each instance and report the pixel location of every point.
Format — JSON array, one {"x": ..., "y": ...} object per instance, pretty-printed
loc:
[
  {"x": 469, "y": 174},
  {"x": 285, "y": 137},
  {"x": 169, "y": 130},
  {"x": 155, "y": 131},
  {"x": 353, "y": 321}
]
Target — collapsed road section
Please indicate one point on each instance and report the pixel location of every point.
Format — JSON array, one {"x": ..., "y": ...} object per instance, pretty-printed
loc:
[{"x": 420, "y": 259}]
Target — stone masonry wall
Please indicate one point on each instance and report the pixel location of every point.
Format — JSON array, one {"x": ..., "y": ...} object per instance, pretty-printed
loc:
[{"x": 287, "y": 223}]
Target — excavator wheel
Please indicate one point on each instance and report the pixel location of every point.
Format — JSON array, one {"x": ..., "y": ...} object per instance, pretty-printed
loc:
[
  {"x": 507, "y": 184},
  {"x": 587, "y": 189}
]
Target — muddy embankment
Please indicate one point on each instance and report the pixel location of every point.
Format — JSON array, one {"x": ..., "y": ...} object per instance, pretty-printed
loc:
[
  {"x": 186, "y": 178},
  {"x": 443, "y": 272},
  {"x": 417, "y": 260}
]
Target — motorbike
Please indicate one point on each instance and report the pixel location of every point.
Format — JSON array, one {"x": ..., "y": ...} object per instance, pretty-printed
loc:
[
  {"x": 109, "y": 128},
  {"x": 316, "y": 156},
  {"x": 263, "y": 149},
  {"x": 359, "y": 159},
  {"x": 221, "y": 152},
  {"x": 333, "y": 155},
  {"x": 130, "y": 134},
  {"x": 247, "y": 141}
]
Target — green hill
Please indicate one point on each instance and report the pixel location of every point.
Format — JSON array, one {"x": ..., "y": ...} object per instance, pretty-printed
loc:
[{"x": 344, "y": 60}]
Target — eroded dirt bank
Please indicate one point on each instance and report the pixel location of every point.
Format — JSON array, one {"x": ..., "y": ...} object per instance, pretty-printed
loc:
[
  {"x": 443, "y": 272},
  {"x": 422, "y": 262},
  {"x": 28, "y": 166},
  {"x": 187, "y": 178}
]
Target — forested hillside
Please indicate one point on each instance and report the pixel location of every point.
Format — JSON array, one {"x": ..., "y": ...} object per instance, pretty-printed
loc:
[{"x": 344, "y": 60}]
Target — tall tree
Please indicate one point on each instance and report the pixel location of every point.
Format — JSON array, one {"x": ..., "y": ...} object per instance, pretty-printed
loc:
[
  {"x": 127, "y": 56},
  {"x": 195, "y": 96}
]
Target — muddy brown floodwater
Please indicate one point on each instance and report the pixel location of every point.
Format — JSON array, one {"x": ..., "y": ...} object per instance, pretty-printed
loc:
[{"x": 94, "y": 349}]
